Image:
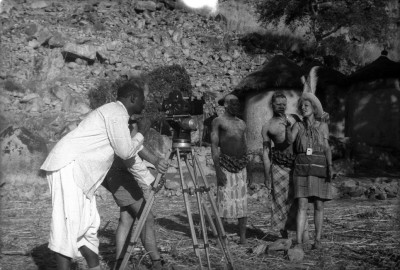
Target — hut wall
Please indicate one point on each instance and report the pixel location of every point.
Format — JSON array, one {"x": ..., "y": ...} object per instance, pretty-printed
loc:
[
  {"x": 333, "y": 101},
  {"x": 373, "y": 119},
  {"x": 257, "y": 112}
]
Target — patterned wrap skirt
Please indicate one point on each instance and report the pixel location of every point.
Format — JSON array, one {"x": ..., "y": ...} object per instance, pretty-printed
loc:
[
  {"x": 232, "y": 198},
  {"x": 283, "y": 205}
]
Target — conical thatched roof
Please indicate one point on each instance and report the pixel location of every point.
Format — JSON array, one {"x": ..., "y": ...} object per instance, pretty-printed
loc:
[
  {"x": 381, "y": 68},
  {"x": 280, "y": 72}
]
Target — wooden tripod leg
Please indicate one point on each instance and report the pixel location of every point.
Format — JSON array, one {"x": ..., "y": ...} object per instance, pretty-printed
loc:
[
  {"x": 220, "y": 227},
  {"x": 188, "y": 210},
  {"x": 216, "y": 233},
  {"x": 142, "y": 220},
  {"x": 199, "y": 204}
]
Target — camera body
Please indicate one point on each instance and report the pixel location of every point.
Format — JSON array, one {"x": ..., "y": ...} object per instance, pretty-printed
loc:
[{"x": 178, "y": 113}]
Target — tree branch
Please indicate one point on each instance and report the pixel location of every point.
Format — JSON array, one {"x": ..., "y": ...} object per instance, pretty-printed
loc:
[{"x": 327, "y": 34}]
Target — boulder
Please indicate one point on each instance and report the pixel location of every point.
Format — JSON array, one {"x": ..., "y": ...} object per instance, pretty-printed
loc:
[
  {"x": 34, "y": 106},
  {"x": 52, "y": 64},
  {"x": 43, "y": 35},
  {"x": 295, "y": 254},
  {"x": 31, "y": 29},
  {"x": 172, "y": 185},
  {"x": 84, "y": 51},
  {"x": 21, "y": 150},
  {"x": 280, "y": 245},
  {"x": 260, "y": 249},
  {"x": 145, "y": 5},
  {"x": 57, "y": 40},
  {"x": 39, "y": 4}
]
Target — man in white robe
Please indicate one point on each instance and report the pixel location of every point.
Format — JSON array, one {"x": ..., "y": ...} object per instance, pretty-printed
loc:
[{"x": 76, "y": 167}]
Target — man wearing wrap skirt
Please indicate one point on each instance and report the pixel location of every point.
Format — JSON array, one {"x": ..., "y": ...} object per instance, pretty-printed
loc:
[
  {"x": 278, "y": 163},
  {"x": 229, "y": 153}
]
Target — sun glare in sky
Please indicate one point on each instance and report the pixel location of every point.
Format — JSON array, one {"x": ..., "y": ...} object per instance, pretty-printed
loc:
[{"x": 212, "y": 4}]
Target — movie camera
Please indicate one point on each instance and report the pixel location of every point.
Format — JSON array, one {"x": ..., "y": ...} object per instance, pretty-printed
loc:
[{"x": 179, "y": 111}]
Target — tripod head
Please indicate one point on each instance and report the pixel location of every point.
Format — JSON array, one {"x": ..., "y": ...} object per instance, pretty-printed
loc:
[{"x": 182, "y": 126}]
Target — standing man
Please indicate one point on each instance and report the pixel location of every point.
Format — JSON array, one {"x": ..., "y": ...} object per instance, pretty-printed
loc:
[
  {"x": 229, "y": 153},
  {"x": 77, "y": 165},
  {"x": 278, "y": 164}
]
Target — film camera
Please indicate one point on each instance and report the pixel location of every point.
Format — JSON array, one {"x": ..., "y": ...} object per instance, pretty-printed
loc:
[{"x": 179, "y": 111}]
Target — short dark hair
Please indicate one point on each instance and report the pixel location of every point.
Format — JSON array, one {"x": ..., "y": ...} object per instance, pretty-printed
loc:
[
  {"x": 133, "y": 85},
  {"x": 276, "y": 95}
]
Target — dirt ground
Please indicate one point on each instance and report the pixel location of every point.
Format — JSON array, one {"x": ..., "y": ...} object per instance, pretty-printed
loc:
[{"x": 358, "y": 234}]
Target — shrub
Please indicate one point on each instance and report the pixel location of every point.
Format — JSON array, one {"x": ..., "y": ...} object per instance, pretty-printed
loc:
[
  {"x": 163, "y": 80},
  {"x": 103, "y": 93},
  {"x": 269, "y": 42},
  {"x": 239, "y": 17}
]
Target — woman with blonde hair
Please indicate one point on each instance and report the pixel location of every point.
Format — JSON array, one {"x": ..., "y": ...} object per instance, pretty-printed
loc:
[{"x": 313, "y": 165}]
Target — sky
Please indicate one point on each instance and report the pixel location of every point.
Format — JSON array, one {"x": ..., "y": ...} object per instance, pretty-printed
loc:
[{"x": 202, "y": 3}]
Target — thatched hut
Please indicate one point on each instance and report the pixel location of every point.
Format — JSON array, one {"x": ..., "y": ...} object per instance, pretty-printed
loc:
[
  {"x": 373, "y": 113},
  {"x": 256, "y": 91}
]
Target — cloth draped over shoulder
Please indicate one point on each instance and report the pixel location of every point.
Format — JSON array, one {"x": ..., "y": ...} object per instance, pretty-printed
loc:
[
  {"x": 283, "y": 157},
  {"x": 233, "y": 164}
]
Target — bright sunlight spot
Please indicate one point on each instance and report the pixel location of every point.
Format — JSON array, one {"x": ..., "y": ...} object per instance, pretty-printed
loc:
[{"x": 212, "y": 4}]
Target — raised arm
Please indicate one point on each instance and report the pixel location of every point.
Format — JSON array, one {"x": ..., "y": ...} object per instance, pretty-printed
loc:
[
  {"x": 120, "y": 139},
  {"x": 266, "y": 153},
  {"x": 145, "y": 154},
  {"x": 292, "y": 134},
  {"x": 221, "y": 178},
  {"x": 328, "y": 152}
]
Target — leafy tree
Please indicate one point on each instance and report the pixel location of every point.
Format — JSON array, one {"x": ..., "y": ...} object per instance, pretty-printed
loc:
[{"x": 365, "y": 19}]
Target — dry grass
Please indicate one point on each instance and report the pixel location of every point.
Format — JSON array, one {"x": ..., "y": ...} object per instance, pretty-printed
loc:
[
  {"x": 240, "y": 17},
  {"x": 358, "y": 234}
]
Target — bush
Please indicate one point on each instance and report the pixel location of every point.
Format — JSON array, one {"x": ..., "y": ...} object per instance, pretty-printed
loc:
[
  {"x": 269, "y": 42},
  {"x": 239, "y": 17},
  {"x": 103, "y": 93},
  {"x": 163, "y": 80}
]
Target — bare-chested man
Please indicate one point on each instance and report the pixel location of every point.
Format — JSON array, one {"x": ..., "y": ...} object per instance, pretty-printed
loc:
[
  {"x": 278, "y": 164},
  {"x": 229, "y": 152}
]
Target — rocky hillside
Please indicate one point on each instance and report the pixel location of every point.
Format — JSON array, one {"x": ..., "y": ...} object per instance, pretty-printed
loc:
[{"x": 54, "y": 52}]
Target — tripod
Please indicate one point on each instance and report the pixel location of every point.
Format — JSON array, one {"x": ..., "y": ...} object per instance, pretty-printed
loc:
[{"x": 183, "y": 152}]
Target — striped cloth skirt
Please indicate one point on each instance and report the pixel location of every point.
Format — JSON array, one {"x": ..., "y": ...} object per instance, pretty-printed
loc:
[{"x": 312, "y": 186}]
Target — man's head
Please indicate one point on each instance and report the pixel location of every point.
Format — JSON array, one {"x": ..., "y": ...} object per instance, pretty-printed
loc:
[
  {"x": 232, "y": 105},
  {"x": 132, "y": 95},
  {"x": 278, "y": 103}
]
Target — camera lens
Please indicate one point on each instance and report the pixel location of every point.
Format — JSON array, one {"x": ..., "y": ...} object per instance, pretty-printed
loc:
[{"x": 189, "y": 123}]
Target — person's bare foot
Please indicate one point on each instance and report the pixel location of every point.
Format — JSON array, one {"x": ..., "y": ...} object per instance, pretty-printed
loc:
[
  {"x": 243, "y": 241},
  {"x": 317, "y": 245}
]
